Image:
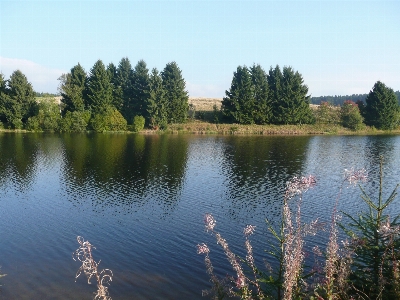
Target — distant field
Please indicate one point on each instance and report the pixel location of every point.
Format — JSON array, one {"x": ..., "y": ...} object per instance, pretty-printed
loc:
[{"x": 205, "y": 104}]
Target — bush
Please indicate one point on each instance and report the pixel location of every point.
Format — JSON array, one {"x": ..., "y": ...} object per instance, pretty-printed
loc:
[
  {"x": 350, "y": 116},
  {"x": 110, "y": 120},
  {"x": 138, "y": 123},
  {"x": 74, "y": 121},
  {"x": 327, "y": 114}
]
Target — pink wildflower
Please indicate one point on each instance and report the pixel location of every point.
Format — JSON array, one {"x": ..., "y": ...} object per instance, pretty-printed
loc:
[
  {"x": 210, "y": 222},
  {"x": 202, "y": 249},
  {"x": 249, "y": 230},
  {"x": 353, "y": 177},
  {"x": 300, "y": 185}
]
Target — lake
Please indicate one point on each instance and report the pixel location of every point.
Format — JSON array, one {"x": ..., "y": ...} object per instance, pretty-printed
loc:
[{"x": 141, "y": 199}]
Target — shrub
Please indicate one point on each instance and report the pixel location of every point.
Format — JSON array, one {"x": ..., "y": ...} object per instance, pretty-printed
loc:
[
  {"x": 326, "y": 113},
  {"x": 76, "y": 121},
  {"x": 350, "y": 116},
  {"x": 110, "y": 120},
  {"x": 138, "y": 123}
]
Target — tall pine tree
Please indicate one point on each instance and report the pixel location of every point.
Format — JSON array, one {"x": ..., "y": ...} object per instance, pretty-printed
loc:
[
  {"x": 239, "y": 104},
  {"x": 140, "y": 89},
  {"x": 99, "y": 89},
  {"x": 20, "y": 103},
  {"x": 263, "y": 108},
  {"x": 156, "y": 103},
  {"x": 122, "y": 95},
  {"x": 72, "y": 88},
  {"x": 175, "y": 94},
  {"x": 382, "y": 109},
  {"x": 291, "y": 103}
]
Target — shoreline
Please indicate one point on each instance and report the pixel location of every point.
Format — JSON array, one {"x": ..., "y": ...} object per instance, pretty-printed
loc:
[{"x": 197, "y": 127}]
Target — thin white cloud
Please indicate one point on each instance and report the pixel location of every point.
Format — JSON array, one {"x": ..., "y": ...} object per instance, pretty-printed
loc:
[{"x": 43, "y": 79}]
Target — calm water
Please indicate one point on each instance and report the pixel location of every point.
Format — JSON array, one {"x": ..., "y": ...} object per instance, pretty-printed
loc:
[{"x": 141, "y": 200}]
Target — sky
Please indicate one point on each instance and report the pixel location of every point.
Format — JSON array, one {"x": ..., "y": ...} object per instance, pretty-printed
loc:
[{"x": 339, "y": 47}]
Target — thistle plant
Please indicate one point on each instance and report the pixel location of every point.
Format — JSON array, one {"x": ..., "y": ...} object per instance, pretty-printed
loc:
[{"x": 90, "y": 269}]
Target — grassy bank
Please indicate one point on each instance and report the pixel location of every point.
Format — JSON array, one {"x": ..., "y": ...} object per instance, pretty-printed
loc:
[{"x": 201, "y": 127}]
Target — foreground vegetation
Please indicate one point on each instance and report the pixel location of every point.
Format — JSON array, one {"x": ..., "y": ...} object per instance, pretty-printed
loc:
[{"x": 365, "y": 266}]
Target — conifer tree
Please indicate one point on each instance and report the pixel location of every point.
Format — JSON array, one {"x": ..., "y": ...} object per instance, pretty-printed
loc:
[
  {"x": 122, "y": 95},
  {"x": 263, "y": 108},
  {"x": 156, "y": 102},
  {"x": 140, "y": 89},
  {"x": 72, "y": 88},
  {"x": 99, "y": 89},
  {"x": 275, "y": 79},
  {"x": 239, "y": 104},
  {"x": 112, "y": 73},
  {"x": 291, "y": 102},
  {"x": 382, "y": 109},
  {"x": 19, "y": 100},
  {"x": 175, "y": 94}
]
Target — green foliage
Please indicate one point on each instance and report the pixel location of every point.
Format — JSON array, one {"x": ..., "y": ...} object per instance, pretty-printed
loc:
[
  {"x": 122, "y": 89},
  {"x": 262, "y": 113},
  {"x": 72, "y": 86},
  {"x": 327, "y": 114},
  {"x": 17, "y": 100},
  {"x": 76, "y": 121},
  {"x": 48, "y": 117},
  {"x": 216, "y": 114},
  {"x": 175, "y": 94},
  {"x": 140, "y": 89},
  {"x": 350, "y": 116},
  {"x": 239, "y": 104},
  {"x": 157, "y": 102},
  {"x": 138, "y": 123},
  {"x": 375, "y": 242},
  {"x": 99, "y": 89},
  {"x": 109, "y": 120},
  {"x": 289, "y": 97},
  {"x": 382, "y": 109}
]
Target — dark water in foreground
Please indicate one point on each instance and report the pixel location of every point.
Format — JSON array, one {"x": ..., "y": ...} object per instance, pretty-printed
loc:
[{"x": 141, "y": 200}]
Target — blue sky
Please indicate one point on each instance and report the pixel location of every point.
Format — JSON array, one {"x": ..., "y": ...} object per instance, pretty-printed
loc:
[{"x": 340, "y": 47}]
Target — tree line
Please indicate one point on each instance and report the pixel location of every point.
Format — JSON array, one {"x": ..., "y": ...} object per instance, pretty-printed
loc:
[
  {"x": 255, "y": 97},
  {"x": 106, "y": 98},
  {"x": 281, "y": 97},
  {"x": 339, "y": 100},
  {"x": 113, "y": 98}
]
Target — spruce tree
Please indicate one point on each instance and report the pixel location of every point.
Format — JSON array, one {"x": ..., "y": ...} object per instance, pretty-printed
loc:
[
  {"x": 382, "y": 109},
  {"x": 21, "y": 103},
  {"x": 122, "y": 95},
  {"x": 263, "y": 107},
  {"x": 72, "y": 88},
  {"x": 291, "y": 102},
  {"x": 275, "y": 79},
  {"x": 175, "y": 94},
  {"x": 239, "y": 104},
  {"x": 4, "y": 99},
  {"x": 140, "y": 89},
  {"x": 112, "y": 73},
  {"x": 156, "y": 103},
  {"x": 99, "y": 89}
]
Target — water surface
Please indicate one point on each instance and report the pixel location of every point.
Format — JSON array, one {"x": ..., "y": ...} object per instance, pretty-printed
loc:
[{"x": 141, "y": 200}]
